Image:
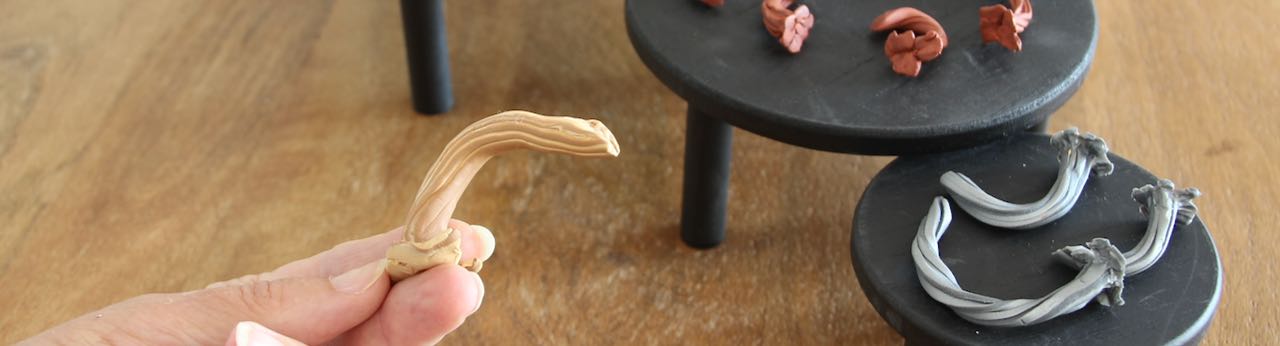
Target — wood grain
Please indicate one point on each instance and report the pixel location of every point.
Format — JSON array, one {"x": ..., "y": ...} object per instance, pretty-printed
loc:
[{"x": 158, "y": 146}]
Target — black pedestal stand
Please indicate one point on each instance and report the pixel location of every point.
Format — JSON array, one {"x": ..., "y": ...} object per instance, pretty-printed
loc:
[
  {"x": 839, "y": 93},
  {"x": 1171, "y": 303}
]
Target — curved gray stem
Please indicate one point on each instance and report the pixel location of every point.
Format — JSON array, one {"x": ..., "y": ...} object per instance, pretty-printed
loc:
[
  {"x": 1079, "y": 157},
  {"x": 1101, "y": 278},
  {"x": 1166, "y": 207}
]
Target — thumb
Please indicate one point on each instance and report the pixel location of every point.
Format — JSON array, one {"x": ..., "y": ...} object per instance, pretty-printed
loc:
[{"x": 310, "y": 309}]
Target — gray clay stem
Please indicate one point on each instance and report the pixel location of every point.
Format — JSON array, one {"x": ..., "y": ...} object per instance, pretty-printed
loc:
[
  {"x": 1101, "y": 278},
  {"x": 1166, "y": 207},
  {"x": 1102, "y": 266},
  {"x": 1080, "y": 156}
]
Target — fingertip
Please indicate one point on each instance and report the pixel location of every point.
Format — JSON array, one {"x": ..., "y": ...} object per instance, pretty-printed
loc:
[
  {"x": 477, "y": 242},
  {"x": 479, "y": 288},
  {"x": 485, "y": 241},
  {"x": 429, "y": 305},
  {"x": 453, "y": 292},
  {"x": 479, "y": 291},
  {"x": 423, "y": 308},
  {"x": 249, "y": 333}
]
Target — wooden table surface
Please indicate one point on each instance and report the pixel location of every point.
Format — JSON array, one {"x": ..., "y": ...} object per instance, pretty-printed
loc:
[{"x": 158, "y": 146}]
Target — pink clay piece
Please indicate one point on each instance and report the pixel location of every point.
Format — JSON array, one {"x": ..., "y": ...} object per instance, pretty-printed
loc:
[{"x": 789, "y": 27}]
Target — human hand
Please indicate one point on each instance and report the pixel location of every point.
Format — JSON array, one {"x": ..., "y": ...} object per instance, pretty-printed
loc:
[{"x": 340, "y": 296}]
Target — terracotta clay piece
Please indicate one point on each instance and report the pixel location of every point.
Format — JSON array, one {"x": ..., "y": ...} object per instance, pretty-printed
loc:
[
  {"x": 1102, "y": 267},
  {"x": 1079, "y": 157},
  {"x": 915, "y": 38},
  {"x": 1003, "y": 24},
  {"x": 428, "y": 241},
  {"x": 713, "y": 3},
  {"x": 789, "y": 27}
]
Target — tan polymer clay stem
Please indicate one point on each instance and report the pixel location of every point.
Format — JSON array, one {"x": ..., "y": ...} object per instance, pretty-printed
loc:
[{"x": 428, "y": 241}]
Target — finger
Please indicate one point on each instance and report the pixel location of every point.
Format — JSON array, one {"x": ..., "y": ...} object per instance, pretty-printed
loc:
[
  {"x": 310, "y": 309},
  {"x": 340, "y": 258},
  {"x": 348, "y": 255},
  {"x": 248, "y": 333},
  {"x": 422, "y": 309},
  {"x": 477, "y": 241}
]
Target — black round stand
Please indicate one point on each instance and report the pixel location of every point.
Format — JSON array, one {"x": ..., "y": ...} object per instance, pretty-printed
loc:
[
  {"x": 1171, "y": 303},
  {"x": 840, "y": 93}
]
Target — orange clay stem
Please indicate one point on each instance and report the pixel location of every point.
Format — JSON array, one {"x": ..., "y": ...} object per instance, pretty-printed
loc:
[
  {"x": 789, "y": 27},
  {"x": 922, "y": 40},
  {"x": 1003, "y": 24},
  {"x": 1021, "y": 13},
  {"x": 910, "y": 19}
]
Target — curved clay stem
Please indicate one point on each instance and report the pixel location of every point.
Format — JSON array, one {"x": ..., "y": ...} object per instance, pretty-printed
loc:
[
  {"x": 923, "y": 39},
  {"x": 427, "y": 239},
  {"x": 1003, "y": 24},
  {"x": 789, "y": 27},
  {"x": 1102, "y": 266},
  {"x": 1079, "y": 156},
  {"x": 909, "y": 18},
  {"x": 1101, "y": 279},
  {"x": 1165, "y": 207}
]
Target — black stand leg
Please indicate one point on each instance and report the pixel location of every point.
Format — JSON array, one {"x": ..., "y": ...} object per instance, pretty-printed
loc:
[
  {"x": 707, "y": 146},
  {"x": 425, "y": 41}
]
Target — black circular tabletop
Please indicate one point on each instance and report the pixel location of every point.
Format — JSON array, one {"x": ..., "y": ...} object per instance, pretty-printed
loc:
[
  {"x": 840, "y": 93},
  {"x": 1171, "y": 303}
]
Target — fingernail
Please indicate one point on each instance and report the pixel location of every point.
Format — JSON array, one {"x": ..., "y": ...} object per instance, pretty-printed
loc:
[
  {"x": 479, "y": 291},
  {"x": 358, "y": 280},
  {"x": 487, "y": 241},
  {"x": 253, "y": 334}
]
